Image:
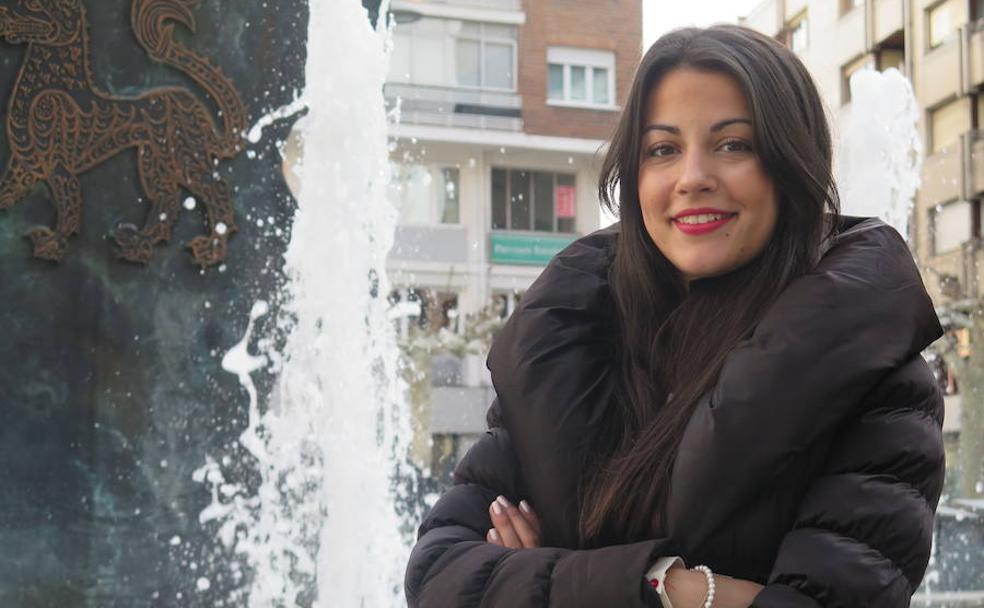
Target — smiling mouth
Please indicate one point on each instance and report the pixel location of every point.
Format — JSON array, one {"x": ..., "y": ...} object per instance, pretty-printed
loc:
[
  {"x": 727, "y": 216},
  {"x": 703, "y": 227}
]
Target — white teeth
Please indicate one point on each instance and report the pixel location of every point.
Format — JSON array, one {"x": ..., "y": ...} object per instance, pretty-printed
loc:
[{"x": 702, "y": 219}]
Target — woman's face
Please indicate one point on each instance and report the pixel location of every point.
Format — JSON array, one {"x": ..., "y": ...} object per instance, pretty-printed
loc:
[{"x": 698, "y": 155}]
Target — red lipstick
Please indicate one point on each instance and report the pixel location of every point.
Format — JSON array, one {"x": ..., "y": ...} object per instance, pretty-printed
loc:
[{"x": 705, "y": 228}]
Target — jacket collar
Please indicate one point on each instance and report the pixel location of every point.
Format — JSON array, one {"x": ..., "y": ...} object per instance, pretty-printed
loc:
[{"x": 829, "y": 338}]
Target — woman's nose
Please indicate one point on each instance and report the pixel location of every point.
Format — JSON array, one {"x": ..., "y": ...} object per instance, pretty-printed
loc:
[{"x": 696, "y": 173}]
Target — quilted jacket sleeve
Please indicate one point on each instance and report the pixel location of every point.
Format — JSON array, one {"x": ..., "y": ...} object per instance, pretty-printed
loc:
[
  {"x": 452, "y": 566},
  {"x": 863, "y": 532}
]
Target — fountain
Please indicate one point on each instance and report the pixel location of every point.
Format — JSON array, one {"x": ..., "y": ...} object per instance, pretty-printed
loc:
[
  {"x": 331, "y": 439},
  {"x": 881, "y": 151},
  {"x": 222, "y": 428}
]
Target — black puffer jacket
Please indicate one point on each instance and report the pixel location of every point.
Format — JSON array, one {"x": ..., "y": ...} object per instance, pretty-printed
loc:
[{"x": 813, "y": 467}]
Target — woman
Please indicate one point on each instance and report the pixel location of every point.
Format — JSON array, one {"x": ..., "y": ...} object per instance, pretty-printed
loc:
[{"x": 729, "y": 377}]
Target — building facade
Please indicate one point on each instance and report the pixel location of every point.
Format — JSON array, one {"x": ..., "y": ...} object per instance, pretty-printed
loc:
[
  {"x": 939, "y": 46},
  {"x": 504, "y": 107}
]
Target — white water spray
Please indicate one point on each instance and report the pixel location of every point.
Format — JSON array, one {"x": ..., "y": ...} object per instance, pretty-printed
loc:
[
  {"x": 328, "y": 443},
  {"x": 881, "y": 151}
]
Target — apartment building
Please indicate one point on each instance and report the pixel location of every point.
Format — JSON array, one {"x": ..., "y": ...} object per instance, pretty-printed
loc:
[
  {"x": 939, "y": 45},
  {"x": 504, "y": 108}
]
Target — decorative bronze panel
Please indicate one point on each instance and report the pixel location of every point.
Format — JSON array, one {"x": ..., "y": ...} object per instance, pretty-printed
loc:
[{"x": 60, "y": 125}]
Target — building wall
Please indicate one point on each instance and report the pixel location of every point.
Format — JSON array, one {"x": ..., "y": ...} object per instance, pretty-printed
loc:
[{"x": 609, "y": 25}]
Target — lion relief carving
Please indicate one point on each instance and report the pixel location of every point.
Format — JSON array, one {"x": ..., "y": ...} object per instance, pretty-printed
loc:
[{"x": 60, "y": 125}]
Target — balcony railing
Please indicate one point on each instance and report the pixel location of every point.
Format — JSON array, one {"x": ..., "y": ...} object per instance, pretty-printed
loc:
[
  {"x": 455, "y": 107},
  {"x": 888, "y": 18},
  {"x": 509, "y": 5}
]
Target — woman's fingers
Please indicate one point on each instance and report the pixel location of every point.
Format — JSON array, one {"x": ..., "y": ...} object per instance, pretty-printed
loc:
[
  {"x": 493, "y": 537},
  {"x": 503, "y": 526},
  {"x": 513, "y": 526},
  {"x": 531, "y": 516}
]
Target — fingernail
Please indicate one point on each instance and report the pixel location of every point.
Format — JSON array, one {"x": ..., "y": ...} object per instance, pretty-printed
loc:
[
  {"x": 493, "y": 534},
  {"x": 524, "y": 506},
  {"x": 496, "y": 507},
  {"x": 502, "y": 501}
]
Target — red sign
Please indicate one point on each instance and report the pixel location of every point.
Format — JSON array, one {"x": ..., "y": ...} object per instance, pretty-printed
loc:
[{"x": 564, "y": 201}]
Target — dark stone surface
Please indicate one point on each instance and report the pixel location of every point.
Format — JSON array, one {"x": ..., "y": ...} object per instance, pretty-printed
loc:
[{"x": 111, "y": 387}]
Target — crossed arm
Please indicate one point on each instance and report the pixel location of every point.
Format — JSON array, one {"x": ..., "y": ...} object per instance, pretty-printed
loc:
[{"x": 519, "y": 528}]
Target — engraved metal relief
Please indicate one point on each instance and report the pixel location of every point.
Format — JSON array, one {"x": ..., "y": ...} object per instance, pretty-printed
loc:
[{"x": 60, "y": 125}]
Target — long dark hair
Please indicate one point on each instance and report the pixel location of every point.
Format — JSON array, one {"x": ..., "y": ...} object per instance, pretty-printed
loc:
[{"x": 673, "y": 342}]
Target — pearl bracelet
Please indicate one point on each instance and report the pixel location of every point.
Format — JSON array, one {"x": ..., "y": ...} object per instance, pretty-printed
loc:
[{"x": 709, "y": 600}]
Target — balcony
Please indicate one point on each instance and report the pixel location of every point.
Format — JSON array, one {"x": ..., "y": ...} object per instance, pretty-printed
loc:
[
  {"x": 454, "y": 107},
  {"x": 850, "y": 35},
  {"x": 941, "y": 74},
  {"x": 956, "y": 171},
  {"x": 941, "y": 176},
  {"x": 493, "y": 11},
  {"x": 888, "y": 20},
  {"x": 505, "y": 5},
  {"x": 975, "y": 54}
]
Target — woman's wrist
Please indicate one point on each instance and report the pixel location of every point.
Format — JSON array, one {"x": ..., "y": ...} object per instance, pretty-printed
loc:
[
  {"x": 684, "y": 588},
  {"x": 709, "y": 575}
]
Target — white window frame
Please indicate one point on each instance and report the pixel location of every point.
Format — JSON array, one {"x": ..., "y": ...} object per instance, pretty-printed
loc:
[
  {"x": 482, "y": 39},
  {"x": 569, "y": 57}
]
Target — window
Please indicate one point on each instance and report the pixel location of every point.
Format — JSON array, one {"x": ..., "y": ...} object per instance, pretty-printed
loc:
[
  {"x": 950, "y": 225},
  {"x": 485, "y": 56},
  {"x": 419, "y": 55},
  {"x": 453, "y": 53},
  {"x": 583, "y": 77},
  {"x": 425, "y": 195},
  {"x": 861, "y": 63},
  {"x": 799, "y": 35},
  {"x": 533, "y": 200},
  {"x": 977, "y": 10},
  {"x": 942, "y": 22},
  {"x": 891, "y": 58},
  {"x": 947, "y": 123}
]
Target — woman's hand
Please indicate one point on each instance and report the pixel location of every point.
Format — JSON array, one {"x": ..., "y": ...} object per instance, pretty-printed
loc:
[
  {"x": 514, "y": 528},
  {"x": 689, "y": 588}
]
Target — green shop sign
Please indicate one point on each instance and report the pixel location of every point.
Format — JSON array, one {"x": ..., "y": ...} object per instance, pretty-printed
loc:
[{"x": 529, "y": 250}]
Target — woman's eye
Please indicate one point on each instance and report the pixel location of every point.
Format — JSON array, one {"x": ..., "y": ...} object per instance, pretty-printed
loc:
[
  {"x": 735, "y": 145},
  {"x": 659, "y": 151}
]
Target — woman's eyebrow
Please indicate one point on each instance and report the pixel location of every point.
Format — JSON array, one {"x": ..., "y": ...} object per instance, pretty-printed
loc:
[{"x": 714, "y": 128}]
